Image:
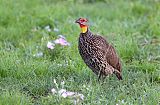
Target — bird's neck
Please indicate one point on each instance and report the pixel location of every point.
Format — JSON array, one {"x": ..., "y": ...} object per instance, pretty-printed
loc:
[{"x": 84, "y": 28}]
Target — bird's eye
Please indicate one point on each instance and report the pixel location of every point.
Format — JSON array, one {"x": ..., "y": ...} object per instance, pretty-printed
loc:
[{"x": 83, "y": 20}]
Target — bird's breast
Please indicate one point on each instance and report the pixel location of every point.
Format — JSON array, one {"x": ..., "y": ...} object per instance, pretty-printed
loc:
[{"x": 85, "y": 48}]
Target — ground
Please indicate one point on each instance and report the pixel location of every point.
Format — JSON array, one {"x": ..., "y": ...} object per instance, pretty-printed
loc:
[{"x": 28, "y": 69}]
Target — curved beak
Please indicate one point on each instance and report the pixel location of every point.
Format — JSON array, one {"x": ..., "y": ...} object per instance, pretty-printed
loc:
[{"x": 77, "y": 21}]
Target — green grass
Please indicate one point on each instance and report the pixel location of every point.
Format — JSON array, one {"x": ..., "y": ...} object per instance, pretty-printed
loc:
[{"x": 133, "y": 27}]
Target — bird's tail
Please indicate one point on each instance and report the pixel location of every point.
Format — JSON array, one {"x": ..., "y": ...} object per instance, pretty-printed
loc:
[{"x": 118, "y": 74}]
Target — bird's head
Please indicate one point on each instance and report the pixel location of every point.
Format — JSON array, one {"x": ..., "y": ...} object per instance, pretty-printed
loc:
[{"x": 83, "y": 24}]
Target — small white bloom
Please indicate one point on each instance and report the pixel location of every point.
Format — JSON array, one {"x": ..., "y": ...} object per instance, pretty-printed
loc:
[
  {"x": 53, "y": 91},
  {"x": 61, "y": 91},
  {"x": 56, "y": 30},
  {"x": 81, "y": 96},
  {"x": 64, "y": 95},
  {"x": 62, "y": 42},
  {"x": 39, "y": 54},
  {"x": 122, "y": 101},
  {"x": 47, "y": 28},
  {"x": 50, "y": 45},
  {"x": 67, "y": 94}
]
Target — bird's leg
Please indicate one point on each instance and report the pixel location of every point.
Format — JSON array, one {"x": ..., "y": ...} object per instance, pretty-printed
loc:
[
  {"x": 118, "y": 74},
  {"x": 116, "y": 71},
  {"x": 99, "y": 75},
  {"x": 103, "y": 77}
]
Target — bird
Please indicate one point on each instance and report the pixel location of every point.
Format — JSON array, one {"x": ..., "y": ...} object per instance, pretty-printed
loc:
[{"x": 97, "y": 53}]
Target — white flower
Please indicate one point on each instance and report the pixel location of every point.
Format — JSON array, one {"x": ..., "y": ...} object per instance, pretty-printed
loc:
[
  {"x": 62, "y": 42},
  {"x": 60, "y": 92},
  {"x": 50, "y": 45},
  {"x": 64, "y": 93},
  {"x": 47, "y": 28},
  {"x": 53, "y": 91},
  {"x": 81, "y": 96},
  {"x": 122, "y": 101},
  {"x": 56, "y": 30},
  {"x": 67, "y": 94},
  {"x": 39, "y": 54}
]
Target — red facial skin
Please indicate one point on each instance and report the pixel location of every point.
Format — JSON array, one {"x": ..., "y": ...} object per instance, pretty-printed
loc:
[{"x": 82, "y": 22}]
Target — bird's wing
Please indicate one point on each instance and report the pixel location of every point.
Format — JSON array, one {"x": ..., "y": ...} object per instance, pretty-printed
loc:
[
  {"x": 112, "y": 58},
  {"x": 107, "y": 52}
]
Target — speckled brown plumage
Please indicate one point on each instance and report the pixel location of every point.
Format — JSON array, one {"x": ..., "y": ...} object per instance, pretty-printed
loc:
[{"x": 99, "y": 55}]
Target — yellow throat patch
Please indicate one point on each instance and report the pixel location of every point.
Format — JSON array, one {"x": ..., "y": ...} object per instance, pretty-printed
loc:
[{"x": 84, "y": 29}]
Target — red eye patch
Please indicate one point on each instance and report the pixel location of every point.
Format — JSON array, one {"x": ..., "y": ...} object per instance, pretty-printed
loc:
[{"x": 83, "y": 20}]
